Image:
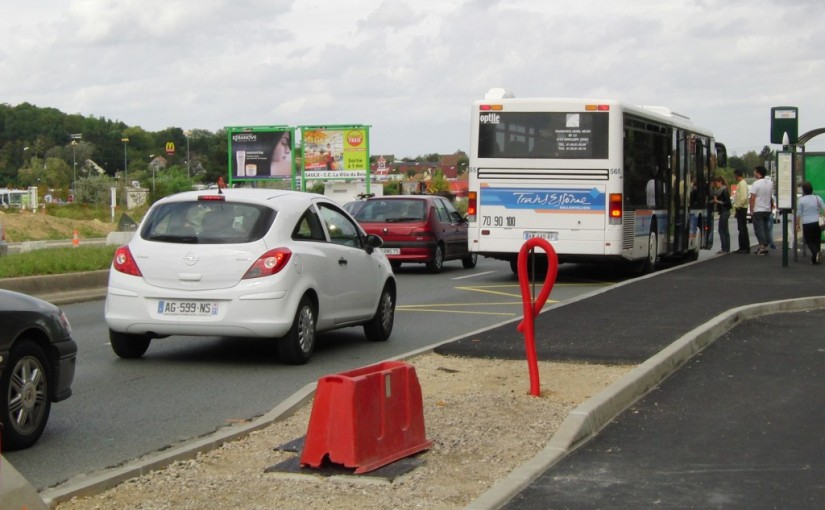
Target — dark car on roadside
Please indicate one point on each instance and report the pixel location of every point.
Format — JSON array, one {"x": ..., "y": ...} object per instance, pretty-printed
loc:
[
  {"x": 353, "y": 207},
  {"x": 417, "y": 229},
  {"x": 37, "y": 364}
]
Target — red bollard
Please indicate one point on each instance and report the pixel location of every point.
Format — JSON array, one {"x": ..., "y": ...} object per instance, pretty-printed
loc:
[
  {"x": 366, "y": 418},
  {"x": 531, "y": 308}
]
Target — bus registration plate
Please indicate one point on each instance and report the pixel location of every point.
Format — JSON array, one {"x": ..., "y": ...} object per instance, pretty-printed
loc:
[
  {"x": 550, "y": 236},
  {"x": 187, "y": 308}
]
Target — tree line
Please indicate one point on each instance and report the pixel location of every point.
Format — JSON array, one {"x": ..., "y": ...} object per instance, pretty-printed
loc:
[{"x": 46, "y": 147}]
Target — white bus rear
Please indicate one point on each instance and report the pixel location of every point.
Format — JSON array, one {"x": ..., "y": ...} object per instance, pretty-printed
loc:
[{"x": 601, "y": 180}]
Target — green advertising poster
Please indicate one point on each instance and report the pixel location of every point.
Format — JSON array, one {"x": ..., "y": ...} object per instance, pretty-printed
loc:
[
  {"x": 815, "y": 172},
  {"x": 335, "y": 152},
  {"x": 261, "y": 153}
]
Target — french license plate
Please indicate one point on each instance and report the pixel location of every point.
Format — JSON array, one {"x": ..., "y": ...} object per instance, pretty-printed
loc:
[
  {"x": 170, "y": 308},
  {"x": 391, "y": 251},
  {"x": 550, "y": 236}
]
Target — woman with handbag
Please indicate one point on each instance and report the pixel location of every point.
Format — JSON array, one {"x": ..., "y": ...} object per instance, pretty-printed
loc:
[{"x": 809, "y": 211}]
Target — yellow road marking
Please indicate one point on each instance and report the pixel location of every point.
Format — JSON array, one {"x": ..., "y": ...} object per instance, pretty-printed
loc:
[{"x": 486, "y": 289}]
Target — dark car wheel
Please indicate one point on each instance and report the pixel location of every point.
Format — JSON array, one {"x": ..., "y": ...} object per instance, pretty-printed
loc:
[
  {"x": 25, "y": 402},
  {"x": 129, "y": 346},
  {"x": 435, "y": 265},
  {"x": 471, "y": 261},
  {"x": 379, "y": 328},
  {"x": 297, "y": 345}
]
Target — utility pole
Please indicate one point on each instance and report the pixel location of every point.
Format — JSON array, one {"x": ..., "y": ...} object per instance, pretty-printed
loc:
[{"x": 125, "y": 141}]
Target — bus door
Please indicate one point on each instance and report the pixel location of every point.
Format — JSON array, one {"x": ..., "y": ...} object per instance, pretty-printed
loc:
[
  {"x": 680, "y": 199},
  {"x": 702, "y": 199}
]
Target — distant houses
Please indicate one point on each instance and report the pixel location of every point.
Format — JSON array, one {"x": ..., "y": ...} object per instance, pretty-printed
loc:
[{"x": 413, "y": 173}]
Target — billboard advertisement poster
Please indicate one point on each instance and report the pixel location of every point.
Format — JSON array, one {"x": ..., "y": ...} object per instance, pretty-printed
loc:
[
  {"x": 335, "y": 152},
  {"x": 258, "y": 153}
]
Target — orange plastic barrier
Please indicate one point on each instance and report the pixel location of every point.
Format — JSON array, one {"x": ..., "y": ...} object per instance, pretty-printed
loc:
[{"x": 366, "y": 418}]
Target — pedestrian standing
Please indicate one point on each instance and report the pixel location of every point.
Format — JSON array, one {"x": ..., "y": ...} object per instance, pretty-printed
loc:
[
  {"x": 761, "y": 198},
  {"x": 740, "y": 211},
  {"x": 721, "y": 199},
  {"x": 809, "y": 210}
]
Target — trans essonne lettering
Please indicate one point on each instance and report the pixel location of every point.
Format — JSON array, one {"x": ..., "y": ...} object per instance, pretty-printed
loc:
[{"x": 557, "y": 199}]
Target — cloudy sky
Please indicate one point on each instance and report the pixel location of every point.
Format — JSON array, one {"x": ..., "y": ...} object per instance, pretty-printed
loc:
[{"x": 411, "y": 69}]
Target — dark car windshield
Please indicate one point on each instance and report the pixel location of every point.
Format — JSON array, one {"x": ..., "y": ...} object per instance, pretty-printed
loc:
[
  {"x": 207, "y": 223},
  {"x": 389, "y": 211}
]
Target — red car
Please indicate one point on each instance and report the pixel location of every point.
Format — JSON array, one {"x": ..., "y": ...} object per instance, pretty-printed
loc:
[{"x": 417, "y": 228}]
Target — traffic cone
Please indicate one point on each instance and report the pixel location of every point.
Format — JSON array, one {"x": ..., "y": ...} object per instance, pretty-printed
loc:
[{"x": 75, "y": 240}]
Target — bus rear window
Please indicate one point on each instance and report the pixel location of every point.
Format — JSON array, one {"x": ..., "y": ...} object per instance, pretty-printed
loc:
[{"x": 543, "y": 135}]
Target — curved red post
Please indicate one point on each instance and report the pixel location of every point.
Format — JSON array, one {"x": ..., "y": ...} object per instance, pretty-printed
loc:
[{"x": 532, "y": 308}]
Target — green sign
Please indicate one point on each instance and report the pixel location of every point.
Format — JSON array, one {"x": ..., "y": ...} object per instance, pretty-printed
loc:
[
  {"x": 815, "y": 172},
  {"x": 784, "y": 119}
]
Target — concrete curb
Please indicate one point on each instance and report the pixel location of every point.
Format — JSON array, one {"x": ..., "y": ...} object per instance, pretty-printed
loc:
[
  {"x": 61, "y": 288},
  {"x": 16, "y": 491},
  {"x": 591, "y": 416}
]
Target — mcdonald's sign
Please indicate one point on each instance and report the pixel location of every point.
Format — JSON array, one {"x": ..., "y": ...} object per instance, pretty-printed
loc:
[{"x": 170, "y": 148}]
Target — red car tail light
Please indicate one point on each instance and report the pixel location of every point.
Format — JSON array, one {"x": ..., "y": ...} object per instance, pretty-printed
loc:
[
  {"x": 269, "y": 263},
  {"x": 125, "y": 263},
  {"x": 423, "y": 234}
]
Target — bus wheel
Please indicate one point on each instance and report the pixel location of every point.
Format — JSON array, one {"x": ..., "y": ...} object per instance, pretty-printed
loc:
[{"x": 649, "y": 264}]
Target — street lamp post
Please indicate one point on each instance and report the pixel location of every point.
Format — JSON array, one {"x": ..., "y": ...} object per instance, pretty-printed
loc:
[
  {"x": 188, "y": 159},
  {"x": 74, "y": 167},
  {"x": 125, "y": 140},
  {"x": 153, "y": 165},
  {"x": 75, "y": 137}
]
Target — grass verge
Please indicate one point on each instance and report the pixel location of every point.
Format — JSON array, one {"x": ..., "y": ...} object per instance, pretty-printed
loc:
[{"x": 57, "y": 261}]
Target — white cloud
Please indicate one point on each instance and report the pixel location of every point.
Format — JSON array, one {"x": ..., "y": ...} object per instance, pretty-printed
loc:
[{"x": 411, "y": 69}]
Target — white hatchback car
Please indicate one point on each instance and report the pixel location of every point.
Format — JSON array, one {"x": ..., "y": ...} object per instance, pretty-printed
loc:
[{"x": 248, "y": 263}]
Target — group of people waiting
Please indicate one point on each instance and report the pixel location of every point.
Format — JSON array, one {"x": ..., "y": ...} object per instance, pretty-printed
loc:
[{"x": 758, "y": 199}]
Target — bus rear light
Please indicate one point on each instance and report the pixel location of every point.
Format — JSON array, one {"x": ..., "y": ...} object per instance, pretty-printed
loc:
[
  {"x": 615, "y": 209},
  {"x": 597, "y": 107},
  {"x": 472, "y": 201},
  {"x": 491, "y": 107},
  {"x": 485, "y": 232}
]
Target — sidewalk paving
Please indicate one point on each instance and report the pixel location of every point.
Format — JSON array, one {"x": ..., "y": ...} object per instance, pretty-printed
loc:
[{"x": 737, "y": 426}]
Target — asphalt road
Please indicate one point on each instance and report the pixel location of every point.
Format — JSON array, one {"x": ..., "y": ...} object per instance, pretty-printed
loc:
[{"x": 186, "y": 387}]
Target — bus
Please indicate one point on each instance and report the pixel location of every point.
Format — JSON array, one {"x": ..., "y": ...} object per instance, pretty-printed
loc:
[
  {"x": 14, "y": 198},
  {"x": 601, "y": 180}
]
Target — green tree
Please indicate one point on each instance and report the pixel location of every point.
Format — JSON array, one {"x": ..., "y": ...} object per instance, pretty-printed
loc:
[
  {"x": 439, "y": 183},
  {"x": 170, "y": 181},
  {"x": 94, "y": 190},
  {"x": 392, "y": 188},
  {"x": 766, "y": 154}
]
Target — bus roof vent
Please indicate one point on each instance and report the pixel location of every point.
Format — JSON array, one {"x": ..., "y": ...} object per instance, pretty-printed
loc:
[
  {"x": 662, "y": 110},
  {"x": 498, "y": 93}
]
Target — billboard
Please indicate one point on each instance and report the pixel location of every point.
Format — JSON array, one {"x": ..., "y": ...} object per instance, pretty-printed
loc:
[
  {"x": 335, "y": 152},
  {"x": 261, "y": 152},
  {"x": 815, "y": 173}
]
